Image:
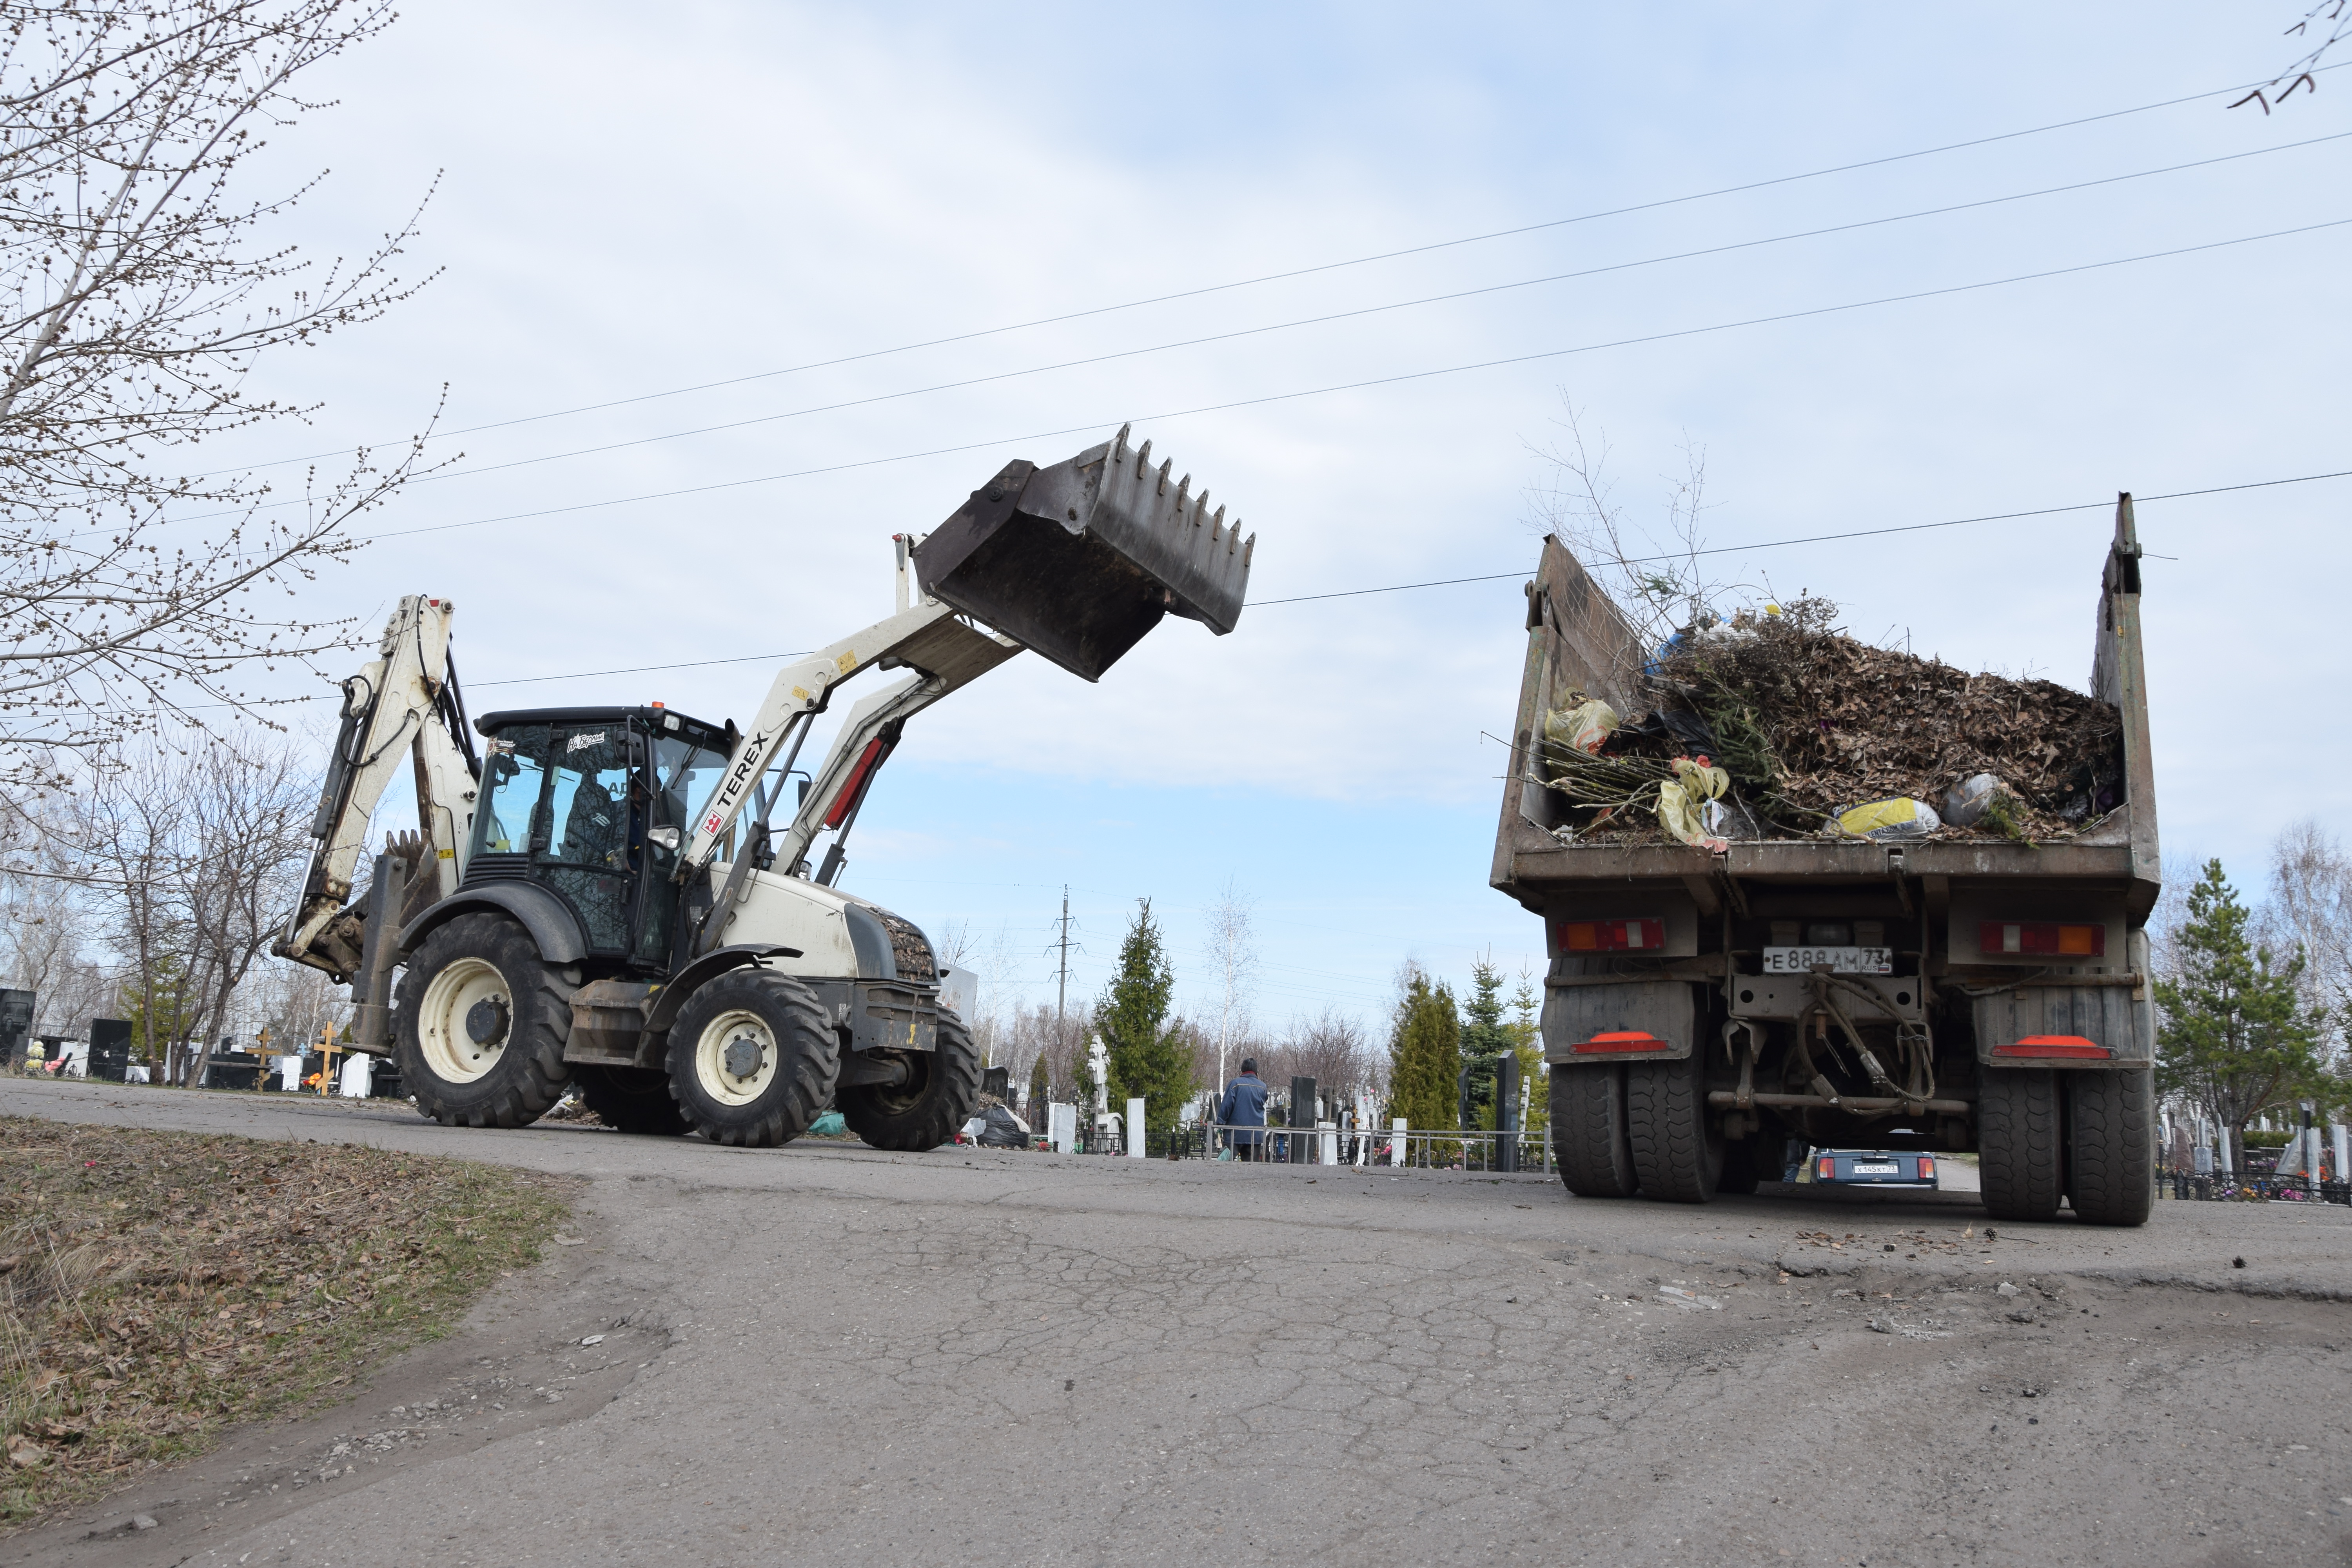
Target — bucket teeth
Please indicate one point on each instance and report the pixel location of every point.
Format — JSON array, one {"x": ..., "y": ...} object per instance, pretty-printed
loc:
[
  {"x": 1143, "y": 457},
  {"x": 1166, "y": 464}
]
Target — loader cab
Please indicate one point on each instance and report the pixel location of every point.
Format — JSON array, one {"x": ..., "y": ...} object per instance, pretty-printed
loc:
[{"x": 593, "y": 803}]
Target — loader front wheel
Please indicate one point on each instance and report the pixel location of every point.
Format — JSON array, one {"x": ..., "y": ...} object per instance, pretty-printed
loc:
[
  {"x": 941, "y": 1092},
  {"x": 751, "y": 1059},
  {"x": 479, "y": 1026},
  {"x": 2020, "y": 1157},
  {"x": 1588, "y": 1131},
  {"x": 632, "y": 1100}
]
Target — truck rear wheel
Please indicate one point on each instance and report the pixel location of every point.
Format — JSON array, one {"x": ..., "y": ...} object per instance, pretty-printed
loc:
[
  {"x": 2020, "y": 1158},
  {"x": 479, "y": 1026},
  {"x": 1588, "y": 1131},
  {"x": 631, "y": 1100},
  {"x": 1677, "y": 1155},
  {"x": 941, "y": 1092},
  {"x": 751, "y": 1059},
  {"x": 2111, "y": 1145}
]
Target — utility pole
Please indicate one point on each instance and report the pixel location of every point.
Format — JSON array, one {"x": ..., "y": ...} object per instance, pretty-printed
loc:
[{"x": 1062, "y": 991}]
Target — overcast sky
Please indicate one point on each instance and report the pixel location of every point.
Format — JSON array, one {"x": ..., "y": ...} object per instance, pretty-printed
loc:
[{"x": 634, "y": 200}]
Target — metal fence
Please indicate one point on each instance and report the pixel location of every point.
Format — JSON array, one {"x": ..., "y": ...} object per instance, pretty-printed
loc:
[
  {"x": 1527, "y": 1153},
  {"x": 2247, "y": 1187}
]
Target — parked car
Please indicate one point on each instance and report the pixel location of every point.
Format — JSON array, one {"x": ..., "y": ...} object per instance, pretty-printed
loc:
[{"x": 1872, "y": 1168}]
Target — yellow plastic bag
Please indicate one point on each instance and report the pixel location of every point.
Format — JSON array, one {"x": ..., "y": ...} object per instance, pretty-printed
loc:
[
  {"x": 1681, "y": 799},
  {"x": 1583, "y": 727},
  {"x": 1890, "y": 821}
]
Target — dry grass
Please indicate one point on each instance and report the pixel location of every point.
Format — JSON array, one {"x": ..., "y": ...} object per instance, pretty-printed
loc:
[{"x": 157, "y": 1288}]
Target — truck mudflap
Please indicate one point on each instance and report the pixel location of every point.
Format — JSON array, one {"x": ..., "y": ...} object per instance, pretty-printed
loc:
[
  {"x": 1080, "y": 560},
  {"x": 2102, "y": 1024},
  {"x": 1612, "y": 1021}
]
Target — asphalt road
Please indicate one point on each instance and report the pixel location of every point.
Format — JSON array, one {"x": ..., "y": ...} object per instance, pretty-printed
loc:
[{"x": 833, "y": 1354}]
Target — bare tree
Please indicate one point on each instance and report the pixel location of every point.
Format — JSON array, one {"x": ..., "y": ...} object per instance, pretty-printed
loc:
[
  {"x": 137, "y": 295},
  {"x": 2325, "y": 26},
  {"x": 248, "y": 816},
  {"x": 1330, "y": 1047},
  {"x": 1232, "y": 963},
  {"x": 1655, "y": 578},
  {"x": 2309, "y": 909},
  {"x": 121, "y": 829}
]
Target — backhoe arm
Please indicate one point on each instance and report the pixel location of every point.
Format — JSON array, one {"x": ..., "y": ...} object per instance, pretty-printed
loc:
[{"x": 404, "y": 705}]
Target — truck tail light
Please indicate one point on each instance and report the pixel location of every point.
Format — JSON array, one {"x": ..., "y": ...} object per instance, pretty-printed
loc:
[
  {"x": 1827, "y": 1171},
  {"x": 2042, "y": 938},
  {"x": 2064, "y": 1047},
  {"x": 1637, "y": 935},
  {"x": 1621, "y": 1040}
]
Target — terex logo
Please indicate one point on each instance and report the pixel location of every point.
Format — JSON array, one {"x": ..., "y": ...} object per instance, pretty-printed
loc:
[{"x": 711, "y": 824}]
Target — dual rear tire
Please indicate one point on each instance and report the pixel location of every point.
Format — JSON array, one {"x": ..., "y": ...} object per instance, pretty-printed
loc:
[
  {"x": 2085, "y": 1137},
  {"x": 1642, "y": 1127}
]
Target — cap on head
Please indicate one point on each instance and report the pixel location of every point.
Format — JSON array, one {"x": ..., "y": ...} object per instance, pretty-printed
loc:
[{"x": 1249, "y": 1064}]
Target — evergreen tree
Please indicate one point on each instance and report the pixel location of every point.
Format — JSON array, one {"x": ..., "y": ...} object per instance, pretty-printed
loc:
[
  {"x": 1147, "y": 1058},
  {"x": 175, "y": 1015},
  {"x": 2236, "y": 1037},
  {"x": 1486, "y": 1040},
  {"x": 1425, "y": 1057},
  {"x": 1040, "y": 1090}
]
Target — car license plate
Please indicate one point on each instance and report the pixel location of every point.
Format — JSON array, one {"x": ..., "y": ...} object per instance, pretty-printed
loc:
[
  {"x": 1862, "y": 1170},
  {"x": 1841, "y": 960}
]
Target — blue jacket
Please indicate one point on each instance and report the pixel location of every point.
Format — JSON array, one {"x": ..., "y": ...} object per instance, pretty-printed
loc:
[{"x": 1243, "y": 1106}]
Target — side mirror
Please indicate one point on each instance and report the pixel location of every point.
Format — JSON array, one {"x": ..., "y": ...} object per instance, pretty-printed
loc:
[{"x": 662, "y": 838}]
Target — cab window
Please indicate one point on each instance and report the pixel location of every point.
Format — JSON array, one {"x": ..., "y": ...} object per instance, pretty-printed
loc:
[
  {"x": 588, "y": 818},
  {"x": 514, "y": 775}
]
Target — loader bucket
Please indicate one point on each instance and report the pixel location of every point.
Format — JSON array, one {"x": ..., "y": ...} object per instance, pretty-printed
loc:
[{"x": 1080, "y": 560}]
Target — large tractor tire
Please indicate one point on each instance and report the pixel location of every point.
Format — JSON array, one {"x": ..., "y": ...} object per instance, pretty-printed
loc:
[
  {"x": 632, "y": 1100},
  {"x": 941, "y": 1092},
  {"x": 1677, "y": 1155},
  {"x": 479, "y": 1026},
  {"x": 2021, "y": 1152},
  {"x": 1588, "y": 1131},
  {"x": 2111, "y": 1145},
  {"x": 751, "y": 1058}
]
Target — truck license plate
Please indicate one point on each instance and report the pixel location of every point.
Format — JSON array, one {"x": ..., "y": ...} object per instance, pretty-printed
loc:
[{"x": 1841, "y": 960}]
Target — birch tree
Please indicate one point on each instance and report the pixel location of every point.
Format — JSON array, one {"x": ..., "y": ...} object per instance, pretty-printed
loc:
[
  {"x": 1232, "y": 963},
  {"x": 140, "y": 289}
]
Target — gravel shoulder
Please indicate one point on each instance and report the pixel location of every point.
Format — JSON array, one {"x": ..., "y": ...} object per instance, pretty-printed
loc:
[{"x": 1013, "y": 1357}]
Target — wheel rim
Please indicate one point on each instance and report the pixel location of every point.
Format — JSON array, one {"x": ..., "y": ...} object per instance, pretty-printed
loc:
[
  {"x": 717, "y": 1075},
  {"x": 450, "y": 1051},
  {"x": 897, "y": 1098}
]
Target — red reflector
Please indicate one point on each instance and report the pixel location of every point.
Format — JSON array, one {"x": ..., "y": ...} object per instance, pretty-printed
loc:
[
  {"x": 2052, "y": 1046},
  {"x": 848, "y": 796},
  {"x": 2042, "y": 938},
  {"x": 1622, "y": 1040},
  {"x": 1640, "y": 935}
]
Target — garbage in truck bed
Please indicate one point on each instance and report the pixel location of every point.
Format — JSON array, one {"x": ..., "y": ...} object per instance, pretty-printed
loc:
[{"x": 1817, "y": 734}]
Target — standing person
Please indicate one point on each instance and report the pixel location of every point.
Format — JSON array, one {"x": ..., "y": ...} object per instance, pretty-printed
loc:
[{"x": 1243, "y": 1108}]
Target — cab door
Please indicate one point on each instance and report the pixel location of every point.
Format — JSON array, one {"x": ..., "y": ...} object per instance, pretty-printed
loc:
[{"x": 584, "y": 844}]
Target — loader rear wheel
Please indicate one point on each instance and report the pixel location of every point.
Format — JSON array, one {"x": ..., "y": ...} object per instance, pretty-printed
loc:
[
  {"x": 751, "y": 1059},
  {"x": 1588, "y": 1131},
  {"x": 2020, "y": 1157},
  {"x": 2111, "y": 1145},
  {"x": 1677, "y": 1156},
  {"x": 941, "y": 1092},
  {"x": 479, "y": 1026},
  {"x": 632, "y": 1100}
]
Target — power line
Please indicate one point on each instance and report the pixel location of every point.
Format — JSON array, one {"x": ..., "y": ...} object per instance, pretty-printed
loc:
[
  {"x": 1826, "y": 538},
  {"x": 1499, "y": 576},
  {"x": 1447, "y": 298},
  {"x": 1314, "y": 271},
  {"x": 1367, "y": 383}
]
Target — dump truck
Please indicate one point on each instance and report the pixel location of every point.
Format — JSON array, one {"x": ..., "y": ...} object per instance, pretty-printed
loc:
[
  {"x": 1706, "y": 1004},
  {"x": 604, "y": 897}
]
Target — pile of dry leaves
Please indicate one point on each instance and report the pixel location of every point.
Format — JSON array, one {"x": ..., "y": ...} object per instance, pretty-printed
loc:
[
  {"x": 1809, "y": 721},
  {"x": 158, "y": 1287}
]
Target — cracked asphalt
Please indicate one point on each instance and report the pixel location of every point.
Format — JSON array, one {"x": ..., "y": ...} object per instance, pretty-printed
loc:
[{"x": 747, "y": 1356}]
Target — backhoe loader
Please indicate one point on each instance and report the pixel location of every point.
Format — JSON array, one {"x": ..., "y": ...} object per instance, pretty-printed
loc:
[{"x": 600, "y": 896}]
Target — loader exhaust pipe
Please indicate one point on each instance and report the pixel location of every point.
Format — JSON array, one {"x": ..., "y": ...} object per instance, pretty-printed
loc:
[{"x": 1080, "y": 560}]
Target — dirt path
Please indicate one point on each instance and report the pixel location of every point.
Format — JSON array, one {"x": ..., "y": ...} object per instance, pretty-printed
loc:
[{"x": 995, "y": 1357}]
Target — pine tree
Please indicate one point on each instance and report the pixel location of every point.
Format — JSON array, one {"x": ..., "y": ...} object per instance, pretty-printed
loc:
[
  {"x": 2236, "y": 1037},
  {"x": 1146, "y": 1059},
  {"x": 1040, "y": 1090},
  {"x": 1425, "y": 1057},
  {"x": 1486, "y": 1040}
]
